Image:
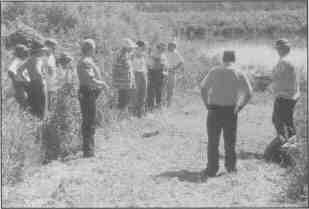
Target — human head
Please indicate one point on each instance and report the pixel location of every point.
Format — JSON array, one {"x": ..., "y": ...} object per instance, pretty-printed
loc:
[
  {"x": 128, "y": 45},
  {"x": 229, "y": 56},
  {"x": 141, "y": 46},
  {"x": 283, "y": 47},
  {"x": 88, "y": 47},
  {"x": 161, "y": 47},
  {"x": 51, "y": 44},
  {"x": 38, "y": 50},
  {"x": 171, "y": 46},
  {"x": 21, "y": 51},
  {"x": 65, "y": 59}
]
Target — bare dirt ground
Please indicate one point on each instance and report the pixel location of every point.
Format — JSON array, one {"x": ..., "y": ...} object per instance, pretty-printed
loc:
[{"x": 163, "y": 170}]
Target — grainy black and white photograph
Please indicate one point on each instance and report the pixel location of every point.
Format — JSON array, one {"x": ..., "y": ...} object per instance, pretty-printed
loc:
[{"x": 154, "y": 104}]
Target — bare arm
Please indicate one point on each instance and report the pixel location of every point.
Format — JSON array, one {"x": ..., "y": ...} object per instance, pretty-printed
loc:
[
  {"x": 245, "y": 89},
  {"x": 205, "y": 84}
]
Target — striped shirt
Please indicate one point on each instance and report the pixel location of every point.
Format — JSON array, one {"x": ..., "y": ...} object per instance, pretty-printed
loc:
[
  {"x": 285, "y": 80},
  {"x": 224, "y": 85},
  {"x": 122, "y": 73}
]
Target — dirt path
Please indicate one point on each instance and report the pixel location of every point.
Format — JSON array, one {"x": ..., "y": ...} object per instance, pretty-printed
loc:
[{"x": 162, "y": 170}]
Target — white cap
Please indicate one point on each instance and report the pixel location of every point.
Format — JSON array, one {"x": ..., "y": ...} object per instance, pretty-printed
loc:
[{"x": 128, "y": 43}]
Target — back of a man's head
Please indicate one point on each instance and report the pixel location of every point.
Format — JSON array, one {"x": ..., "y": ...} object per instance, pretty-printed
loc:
[{"x": 228, "y": 56}]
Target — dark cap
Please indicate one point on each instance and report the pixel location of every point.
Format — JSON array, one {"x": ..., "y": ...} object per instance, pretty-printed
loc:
[
  {"x": 282, "y": 43},
  {"x": 140, "y": 43},
  {"x": 229, "y": 56}
]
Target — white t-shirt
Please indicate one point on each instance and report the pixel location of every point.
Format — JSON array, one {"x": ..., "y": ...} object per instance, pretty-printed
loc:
[
  {"x": 139, "y": 64},
  {"x": 16, "y": 63},
  {"x": 51, "y": 74},
  {"x": 173, "y": 59}
]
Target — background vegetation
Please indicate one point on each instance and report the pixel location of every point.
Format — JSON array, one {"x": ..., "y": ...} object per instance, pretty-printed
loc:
[{"x": 193, "y": 24}]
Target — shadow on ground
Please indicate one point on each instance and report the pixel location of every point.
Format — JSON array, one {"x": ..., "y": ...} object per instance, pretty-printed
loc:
[{"x": 183, "y": 175}]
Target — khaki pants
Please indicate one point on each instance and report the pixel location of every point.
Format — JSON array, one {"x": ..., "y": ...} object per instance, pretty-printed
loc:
[
  {"x": 171, "y": 82},
  {"x": 141, "y": 91}
]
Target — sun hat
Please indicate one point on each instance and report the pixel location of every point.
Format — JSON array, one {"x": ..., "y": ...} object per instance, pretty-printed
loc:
[
  {"x": 51, "y": 42},
  {"x": 282, "y": 43},
  {"x": 65, "y": 58},
  {"x": 128, "y": 43}
]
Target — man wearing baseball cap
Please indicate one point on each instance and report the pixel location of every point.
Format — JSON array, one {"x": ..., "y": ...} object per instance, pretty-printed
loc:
[
  {"x": 285, "y": 89},
  {"x": 90, "y": 85},
  {"x": 225, "y": 91}
]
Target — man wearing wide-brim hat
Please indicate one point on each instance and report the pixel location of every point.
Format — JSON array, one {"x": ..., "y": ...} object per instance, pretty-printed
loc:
[
  {"x": 286, "y": 90},
  {"x": 35, "y": 66}
]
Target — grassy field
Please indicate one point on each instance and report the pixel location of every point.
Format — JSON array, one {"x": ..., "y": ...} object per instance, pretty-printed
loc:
[{"x": 162, "y": 170}]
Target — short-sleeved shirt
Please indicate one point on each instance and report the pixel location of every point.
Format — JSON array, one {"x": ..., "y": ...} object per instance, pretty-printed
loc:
[
  {"x": 285, "y": 80},
  {"x": 122, "y": 73},
  {"x": 139, "y": 64},
  {"x": 51, "y": 74},
  {"x": 173, "y": 59},
  {"x": 15, "y": 64},
  {"x": 158, "y": 62},
  {"x": 36, "y": 68},
  {"x": 87, "y": 71},
  {"x": 225, "y": 84}
]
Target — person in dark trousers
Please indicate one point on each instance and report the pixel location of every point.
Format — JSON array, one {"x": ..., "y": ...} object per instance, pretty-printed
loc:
[
  {"x": 225, "y": 91},
  {"x": 36, "y": 68},
  {"x": 286, "y": 91},
  {"x": 285, "y": 83},
  {"x": 90, "y": 85},
  {"x": 20, "y": 83},
  {"x": 157, "y": 66},
  {"x": 140, "y": 74}
]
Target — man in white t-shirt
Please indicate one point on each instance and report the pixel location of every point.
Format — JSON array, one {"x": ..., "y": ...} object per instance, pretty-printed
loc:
[
  {"x": 20, "y": 81},
  {"x": 175, "y": 63},
  {"x": 51, "y": 74}
]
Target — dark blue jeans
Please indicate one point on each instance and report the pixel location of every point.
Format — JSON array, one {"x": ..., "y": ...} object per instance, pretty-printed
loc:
[
  {"x": 221, "y": 118},
  {"x": 283, "y": 117}
]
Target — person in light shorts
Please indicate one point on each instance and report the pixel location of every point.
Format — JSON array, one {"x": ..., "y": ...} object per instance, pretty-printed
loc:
[{"x": 175, "y": 62}]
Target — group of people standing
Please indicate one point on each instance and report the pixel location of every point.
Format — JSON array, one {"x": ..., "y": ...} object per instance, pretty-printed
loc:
[
  {"x": 138, "y": 67},
  {"x": 225, "y": 90},
  {"x": 37, "y": 76}
]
